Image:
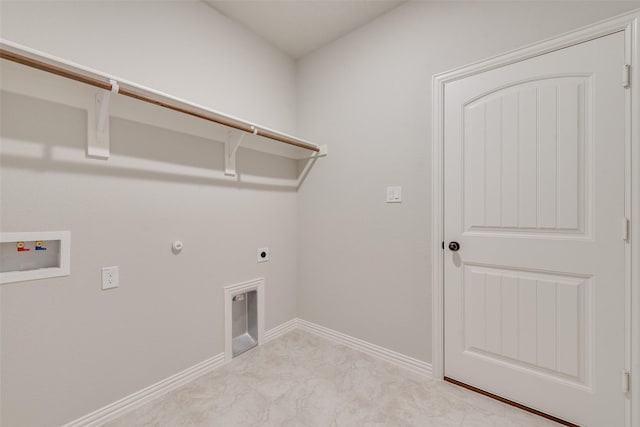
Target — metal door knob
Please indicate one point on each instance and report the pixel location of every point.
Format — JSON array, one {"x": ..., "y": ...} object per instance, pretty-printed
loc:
[{"x": 454, "y": 246}]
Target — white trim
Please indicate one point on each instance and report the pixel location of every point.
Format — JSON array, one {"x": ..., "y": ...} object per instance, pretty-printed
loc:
[
  {"x": 437, "y": 231},
  {"x": 634, "y": 253},
  {"x": 629, "y": 23},
  {"x": 258, "y": 131},
  {"x": 414, "y": 365},
  {"x": 280, "y": 330},
  {"x": 139, "y": 398},
  {"x": 571, "y": 38},
  {"x": 135, "y": 400},
  {"x": 229, "y": 292}
]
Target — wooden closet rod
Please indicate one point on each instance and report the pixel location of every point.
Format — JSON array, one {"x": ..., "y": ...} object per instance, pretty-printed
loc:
[{"x": 60, "y": 71}]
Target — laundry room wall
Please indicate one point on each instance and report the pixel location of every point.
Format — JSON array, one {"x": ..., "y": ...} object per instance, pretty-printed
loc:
[
  {"x": 68, "y": 347},
  {"x": 365, "y": 265}
]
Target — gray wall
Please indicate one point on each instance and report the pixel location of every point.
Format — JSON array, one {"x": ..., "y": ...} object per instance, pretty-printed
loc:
[
  {"x": 68, "y": 347},
  {"x": 183, "y": 48},
  {"x": 358, "y": 265},
  {"x": 365, "y": 266}
]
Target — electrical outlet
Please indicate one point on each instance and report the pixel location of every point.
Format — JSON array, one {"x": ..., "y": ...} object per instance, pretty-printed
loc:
[
  {"x": 110, "y": 278},
  {"x": 263, "y": 254}
]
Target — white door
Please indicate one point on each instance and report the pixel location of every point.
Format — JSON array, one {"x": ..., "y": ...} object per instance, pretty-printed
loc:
[{"x": 534, "y": 193}]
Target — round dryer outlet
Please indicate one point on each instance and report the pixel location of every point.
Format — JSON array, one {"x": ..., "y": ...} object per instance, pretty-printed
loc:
[{"x": 263, "y": 254}]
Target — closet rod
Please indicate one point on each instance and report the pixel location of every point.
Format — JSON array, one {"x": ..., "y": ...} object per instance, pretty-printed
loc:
[{"x": 60, "y": 71}]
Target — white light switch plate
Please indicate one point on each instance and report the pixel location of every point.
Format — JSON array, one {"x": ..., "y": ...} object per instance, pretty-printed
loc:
[
  {"x": 394, "y": 194},
  {"x": 110, "y": 278}
]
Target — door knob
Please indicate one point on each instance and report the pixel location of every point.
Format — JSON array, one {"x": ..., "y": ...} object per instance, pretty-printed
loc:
[{"x": 454, "y": 246}]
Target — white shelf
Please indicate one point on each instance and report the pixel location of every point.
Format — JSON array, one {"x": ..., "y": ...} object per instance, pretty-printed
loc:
[{"x": 37, "y": 74}]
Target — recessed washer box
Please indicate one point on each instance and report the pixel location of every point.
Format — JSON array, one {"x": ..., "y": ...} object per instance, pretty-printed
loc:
[{"x": 34, "y": 255}]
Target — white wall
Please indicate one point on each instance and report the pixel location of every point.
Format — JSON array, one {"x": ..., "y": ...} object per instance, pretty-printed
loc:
[
  {"x": 69, "y": 348},
  {"x": 365, "y": 265},
  {"x": 184, "y": 48}
]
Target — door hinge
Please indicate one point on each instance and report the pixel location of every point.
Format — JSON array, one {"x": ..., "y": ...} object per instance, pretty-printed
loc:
[
  {"x": 626, "y": 228},
  {"x": 626, "y": 76},
  {"x": 626, "y": 381}
]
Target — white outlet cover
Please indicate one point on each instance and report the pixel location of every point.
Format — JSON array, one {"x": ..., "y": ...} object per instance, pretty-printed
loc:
[
  {"x": 110, "y": 277},
  {"x": 263, "y": 254},
  {"x": 394, "y": 194}
]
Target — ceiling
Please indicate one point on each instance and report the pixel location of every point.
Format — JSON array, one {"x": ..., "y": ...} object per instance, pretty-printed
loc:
[{"x": 298, "y": 27}]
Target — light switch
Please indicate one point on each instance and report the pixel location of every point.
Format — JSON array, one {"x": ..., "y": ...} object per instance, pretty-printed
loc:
[{"x": 394, "y": 194}]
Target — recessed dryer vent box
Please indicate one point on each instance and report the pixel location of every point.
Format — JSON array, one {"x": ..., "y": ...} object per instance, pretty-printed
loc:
[
  {"x": 34, "y": 255},
  {"x": 244, "y": 317},
  {"x": 244, "y": 324}
]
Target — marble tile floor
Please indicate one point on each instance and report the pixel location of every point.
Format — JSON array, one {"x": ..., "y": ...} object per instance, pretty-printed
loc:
[{"x": 301, "y": 379}]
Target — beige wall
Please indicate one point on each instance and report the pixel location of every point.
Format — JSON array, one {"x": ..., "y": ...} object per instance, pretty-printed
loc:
[
  {"x": 68, "y": 347},
  {"x": 184, "y": 48},
  {"x": 365, "y": 265},
  {"x": 358, "y": 265}
]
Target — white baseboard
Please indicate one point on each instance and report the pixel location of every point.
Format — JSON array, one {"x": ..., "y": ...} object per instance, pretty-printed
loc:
[
  {"x": 414, "y": 365},
  {"x": 139, "y": 398},
  {"x": 280, "y": 330}
]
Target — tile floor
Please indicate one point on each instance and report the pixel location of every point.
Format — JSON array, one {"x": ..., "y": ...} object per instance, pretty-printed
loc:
[{"x": 300, "y": 379}]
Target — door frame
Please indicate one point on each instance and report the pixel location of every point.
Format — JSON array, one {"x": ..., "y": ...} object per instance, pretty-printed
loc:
[{"x": 630, "y": 24}]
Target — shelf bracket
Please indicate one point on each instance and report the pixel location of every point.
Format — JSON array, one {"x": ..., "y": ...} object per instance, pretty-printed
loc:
[
  {"x": 98, "y": 139},
  {"x": 234, "y": 139},
  {"x": 324, "y": 151}
]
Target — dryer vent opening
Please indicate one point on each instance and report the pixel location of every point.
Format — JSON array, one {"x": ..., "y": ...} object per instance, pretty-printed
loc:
[
  {"x": 243, "y": 317},
  {"x": 244, "y": 314}
]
